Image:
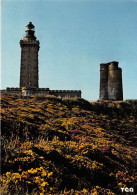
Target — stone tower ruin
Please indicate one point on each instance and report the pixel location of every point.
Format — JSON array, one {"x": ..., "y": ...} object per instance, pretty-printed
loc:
[
  {"x": 29, "y": 59},
  {"x": 111, "y": 82}
]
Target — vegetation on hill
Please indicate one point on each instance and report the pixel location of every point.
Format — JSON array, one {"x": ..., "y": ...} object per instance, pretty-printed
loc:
[{"x": 71, "y": 146}]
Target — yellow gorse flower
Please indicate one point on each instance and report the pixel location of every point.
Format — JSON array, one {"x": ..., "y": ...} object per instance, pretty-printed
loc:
[
  {"x": 28, "y": 152},
  {"x": 32, "y": 171},
  {"x": 8, "y": 174},
  {"x": 44, "y": 184},
  {"x": 50, "y": 174}
]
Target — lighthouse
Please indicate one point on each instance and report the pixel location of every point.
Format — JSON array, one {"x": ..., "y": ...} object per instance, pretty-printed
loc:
[{"x": 29, "y": 70}]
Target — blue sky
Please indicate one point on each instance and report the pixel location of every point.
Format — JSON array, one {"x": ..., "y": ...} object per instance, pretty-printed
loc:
[{"x": 75, "y": 37}]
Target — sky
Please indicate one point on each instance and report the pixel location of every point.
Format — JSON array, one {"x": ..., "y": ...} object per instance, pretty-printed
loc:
[{"x": 75, "y": 36}]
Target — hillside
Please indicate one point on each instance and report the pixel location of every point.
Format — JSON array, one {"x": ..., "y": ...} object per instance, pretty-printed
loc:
[{"x": 53, "y": 146}]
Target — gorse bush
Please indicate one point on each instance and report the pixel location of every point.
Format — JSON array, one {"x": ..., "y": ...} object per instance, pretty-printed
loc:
[{"x": 52, "y": 146}]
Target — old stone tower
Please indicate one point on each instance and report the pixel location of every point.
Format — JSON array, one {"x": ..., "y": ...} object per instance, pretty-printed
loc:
[
  {"x": 111, "y": 82},
  {"x": 29, "y": 59}
]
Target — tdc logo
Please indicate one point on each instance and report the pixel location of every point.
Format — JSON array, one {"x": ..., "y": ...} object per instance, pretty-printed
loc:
[{"x": 127, "y": 189}]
